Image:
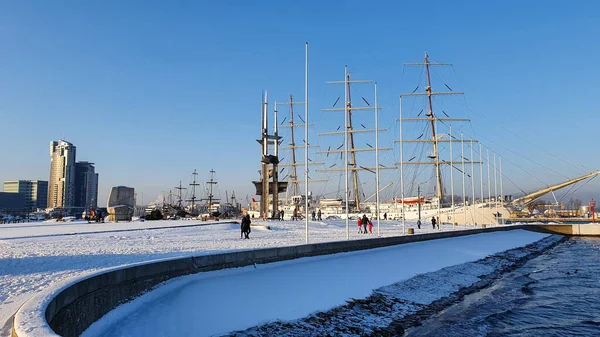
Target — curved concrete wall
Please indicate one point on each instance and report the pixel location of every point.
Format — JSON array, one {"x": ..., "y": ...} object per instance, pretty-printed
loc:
[{"x": 72, "y": 310}]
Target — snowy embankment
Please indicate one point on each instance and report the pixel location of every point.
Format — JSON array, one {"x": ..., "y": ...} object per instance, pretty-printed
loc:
[
  {"x": 220, "y": 302},
  {"x": 41, "y": 255}
]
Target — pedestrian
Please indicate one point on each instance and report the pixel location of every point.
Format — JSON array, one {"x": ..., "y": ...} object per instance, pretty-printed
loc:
[
  {"x": 319, "y": 215},
  {"x": 433, "y": 222},
  {"x": 246, "y": 227},
  {"x": 384, "y": 216},
  {"x": 282, "y": 214},
  {"x": 242, "y": 226},
  {"x": 364, "y": 222},
  {"x": 419, "y": 224},
  {"x": 370, "y": 224},
  {"x": 313, "y": 215},
  {"x": 359, "y": 225}
]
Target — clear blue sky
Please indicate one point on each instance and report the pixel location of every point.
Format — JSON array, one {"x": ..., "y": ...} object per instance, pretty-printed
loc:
[{"x": 130, "y": 82}]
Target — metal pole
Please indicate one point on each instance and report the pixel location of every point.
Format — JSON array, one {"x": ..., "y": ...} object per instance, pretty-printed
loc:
[
  {"x": 305, "y": 137},
  {"x": 495, "y": 190},
  {"x": 452, "y": 180},
  {"x": 462, "y": 159},
  {"x": 481, "y": 181},
  {"x": 473, "y": 185},
  {"x": 346, "y": 145},
  {"x": 402, "y": 171},
  {"x": 437, "y": 160},
  {"x": 501, "y": 191},
  {"x": 377, "y": 159},
  {"x": 488, "y": 178}
]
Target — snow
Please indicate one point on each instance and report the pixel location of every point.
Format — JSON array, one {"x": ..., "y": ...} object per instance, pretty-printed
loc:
[
  {"x": 35, "y": 256},
  {"x": 44, "y": 256},
  {"x": 219, "y": 302}
]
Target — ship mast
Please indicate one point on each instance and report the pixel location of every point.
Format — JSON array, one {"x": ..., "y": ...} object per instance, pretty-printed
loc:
[
  {"x": 294, "y": 174},
  {"x": 432, "y": 119},
  {"x": 351, "y": 164},
  {"x": 210, "y": 196},
  {"x": 179, "y": 199},
  {"x": 431, "y": 115},
  {"x": 192, "y": 200}
]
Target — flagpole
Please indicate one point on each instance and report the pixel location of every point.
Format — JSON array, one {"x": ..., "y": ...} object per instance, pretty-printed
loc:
[
  {"x": 452, "y": 181},
  {"x": 377, "y": 159},
  {"x": 306, "y": 138},
  {"x": 346, "y": 146},
  {"x": 402, "y": 171}
]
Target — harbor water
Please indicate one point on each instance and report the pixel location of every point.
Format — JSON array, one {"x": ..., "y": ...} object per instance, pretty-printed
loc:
[{"x": 554, "y": 294}]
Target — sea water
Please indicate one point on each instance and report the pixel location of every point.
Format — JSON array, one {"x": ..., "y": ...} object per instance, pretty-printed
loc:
[{"x": 554, "y": 294}]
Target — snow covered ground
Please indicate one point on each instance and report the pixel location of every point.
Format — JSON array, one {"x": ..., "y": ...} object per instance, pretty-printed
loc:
[
  {"x": 219, "y": 302},
  {"x": 36, "y": 255}
]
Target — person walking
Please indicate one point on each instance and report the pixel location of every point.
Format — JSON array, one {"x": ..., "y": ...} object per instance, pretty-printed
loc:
[
  {"x": 433, "y": 222},
  {"x": 359, "y": 225},
  {"x": 385, "y": 216},
  {"x": 370, "y": 224},
  {"x": 282, "y": 214},
  {"x": 419, "y": 224},
  {"x": 319, "y": 215},
  {"x": 242, "y": 226},
  {"x": 246, "y": 227},
  {"x": 364, "y": 222},
  {"x": 313, "y": 214}
]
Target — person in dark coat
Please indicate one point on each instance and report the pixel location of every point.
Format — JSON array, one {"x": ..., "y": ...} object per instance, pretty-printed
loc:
[
  {"x": 242, "y": 226},
  {"x": 433, "y": 222},
  {"x": 246, "y": 226},
  {"x": 364, "y": 221},
  {"x": 319, "y": 215}
]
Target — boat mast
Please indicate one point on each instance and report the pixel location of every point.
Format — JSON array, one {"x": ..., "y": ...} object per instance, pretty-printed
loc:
[
  {"x": 352, "y": 162},
  {"x": 179, "y": 199},
  {"x": 349, "y": 150},
  {"x": 192, "y": 200},
  {"x": 431, "y": 115},
  {"x": 210, "y": 188},
  {"x": 294, "y": 175},
  {"x": 432, "y": 119}
]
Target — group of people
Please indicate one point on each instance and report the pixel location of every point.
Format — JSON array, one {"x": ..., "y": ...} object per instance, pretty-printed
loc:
[
  {"x": 316, "y": 216},
  {"x": 365, "y": 223}
]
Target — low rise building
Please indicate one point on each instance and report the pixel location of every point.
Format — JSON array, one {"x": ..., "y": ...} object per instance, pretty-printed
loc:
[{"x": 35, "y": 192}]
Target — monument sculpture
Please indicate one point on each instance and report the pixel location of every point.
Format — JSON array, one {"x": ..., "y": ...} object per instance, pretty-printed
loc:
[{"x": 121, "y": 202}]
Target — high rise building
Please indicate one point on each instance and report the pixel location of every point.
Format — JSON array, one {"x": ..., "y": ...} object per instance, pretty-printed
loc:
[
  {"x": 61, "y": 188},
  {"x": 35, "y": 192},
  {"x": 86, "y": 185}
]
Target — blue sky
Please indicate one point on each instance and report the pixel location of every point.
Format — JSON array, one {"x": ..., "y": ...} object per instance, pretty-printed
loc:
[{"x": 150, "y": 90}]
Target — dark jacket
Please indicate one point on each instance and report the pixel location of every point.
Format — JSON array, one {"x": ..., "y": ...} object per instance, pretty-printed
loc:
[
  {"x": 246, "y": 224},
  {"x": 364, "y": 220}
]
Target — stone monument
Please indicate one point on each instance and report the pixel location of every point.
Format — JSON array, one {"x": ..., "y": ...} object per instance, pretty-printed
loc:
[{"x": 121, "y": 202}]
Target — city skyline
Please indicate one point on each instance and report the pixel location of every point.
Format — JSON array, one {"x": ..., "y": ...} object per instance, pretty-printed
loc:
[{"x": 157, "y": 75}]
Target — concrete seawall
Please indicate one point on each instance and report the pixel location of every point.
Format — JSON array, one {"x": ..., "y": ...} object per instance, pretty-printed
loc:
[{"x": 73, "y": 309}]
